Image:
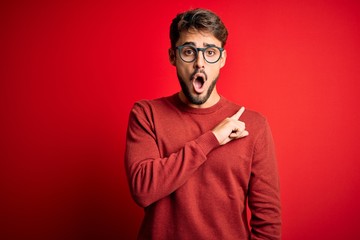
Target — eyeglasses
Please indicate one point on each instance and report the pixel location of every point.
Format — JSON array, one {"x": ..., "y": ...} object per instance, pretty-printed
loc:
[{"x": 189, "y": 53}]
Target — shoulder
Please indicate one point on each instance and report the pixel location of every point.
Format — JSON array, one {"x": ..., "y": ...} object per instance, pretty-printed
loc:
[
  {"x": 249, "y": 115},
  {"x": 254, "y": 117},
  {"x": 149, "y": 107},
  {"x": 255, "y": 121},
  {"x": 146, "y": 103}
]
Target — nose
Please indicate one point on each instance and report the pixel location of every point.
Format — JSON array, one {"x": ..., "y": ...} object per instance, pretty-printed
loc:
[{"x": 199, "y": 61}]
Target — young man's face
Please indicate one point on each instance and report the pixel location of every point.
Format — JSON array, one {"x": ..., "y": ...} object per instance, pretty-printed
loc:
[{"x": 198, "y": 78}]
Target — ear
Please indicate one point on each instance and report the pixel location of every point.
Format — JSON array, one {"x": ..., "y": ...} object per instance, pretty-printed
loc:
[
  {"x": 172, "y": 57},
  {"x": 223, "y": 59}
]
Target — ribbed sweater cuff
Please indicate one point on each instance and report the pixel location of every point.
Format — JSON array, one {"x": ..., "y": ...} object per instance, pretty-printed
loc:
[{"x": 207, "y": 142}]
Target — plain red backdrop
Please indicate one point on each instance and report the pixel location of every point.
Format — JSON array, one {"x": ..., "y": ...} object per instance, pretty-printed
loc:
[{"x": 70, "y": 72}]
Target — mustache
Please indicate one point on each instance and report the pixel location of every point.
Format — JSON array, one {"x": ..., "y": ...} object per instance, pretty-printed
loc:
[{"x": 199, "y": 71}]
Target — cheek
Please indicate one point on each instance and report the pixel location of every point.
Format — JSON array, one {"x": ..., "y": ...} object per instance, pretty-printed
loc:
[
  {"x": 213, "y": 73},
  {"x": 181, "y": 74},
  {"x": 184, "y": 70}
]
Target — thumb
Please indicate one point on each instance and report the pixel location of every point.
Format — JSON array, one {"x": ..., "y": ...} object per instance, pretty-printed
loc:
[{"x": 238, "y": 114}]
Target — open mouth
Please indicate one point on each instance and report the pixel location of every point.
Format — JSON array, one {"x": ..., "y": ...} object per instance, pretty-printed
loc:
[{"x": 199, "y": 80}]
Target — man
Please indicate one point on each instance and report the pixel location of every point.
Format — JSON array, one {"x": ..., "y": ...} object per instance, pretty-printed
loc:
[{"x": 191, "y": 162}]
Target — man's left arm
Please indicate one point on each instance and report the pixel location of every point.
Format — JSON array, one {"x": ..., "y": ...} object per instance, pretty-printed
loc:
[{"x": 264, "y": 192}]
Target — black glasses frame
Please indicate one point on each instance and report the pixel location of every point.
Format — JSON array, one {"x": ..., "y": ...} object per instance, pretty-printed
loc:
[{"x": 203, "y": 50}]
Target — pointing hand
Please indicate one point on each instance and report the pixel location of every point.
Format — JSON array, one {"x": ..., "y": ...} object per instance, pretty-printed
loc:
[{"x": 231, "y": 128}]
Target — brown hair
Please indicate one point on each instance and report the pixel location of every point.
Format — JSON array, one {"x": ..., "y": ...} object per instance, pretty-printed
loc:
[{"x": 198, "y": 19}]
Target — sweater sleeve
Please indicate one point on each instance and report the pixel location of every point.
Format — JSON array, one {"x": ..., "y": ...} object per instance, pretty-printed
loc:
[
  {"x": 264, "y": 195},
  {"x": 150, "y": 176}
]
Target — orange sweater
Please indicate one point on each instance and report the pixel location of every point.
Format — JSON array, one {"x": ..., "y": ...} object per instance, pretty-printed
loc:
[{"x": 189, "y": 185}]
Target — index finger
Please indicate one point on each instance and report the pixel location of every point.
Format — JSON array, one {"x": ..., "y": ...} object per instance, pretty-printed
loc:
[{"x": 238, "y": 114}]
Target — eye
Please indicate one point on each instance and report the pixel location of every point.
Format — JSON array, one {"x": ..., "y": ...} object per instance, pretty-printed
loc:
[
  {"x": 188, "y": 51},
  {"x": 211, "y": 52}
]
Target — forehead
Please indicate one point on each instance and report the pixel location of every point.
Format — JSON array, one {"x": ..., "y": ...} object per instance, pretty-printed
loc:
[{"x": 199, "y": 38}]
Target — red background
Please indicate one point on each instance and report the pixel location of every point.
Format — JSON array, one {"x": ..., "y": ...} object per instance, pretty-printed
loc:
[{"x": 70, "y": 72}]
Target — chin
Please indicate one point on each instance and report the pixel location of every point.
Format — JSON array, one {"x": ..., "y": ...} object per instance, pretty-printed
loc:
[{"x": 197, "y": 99}]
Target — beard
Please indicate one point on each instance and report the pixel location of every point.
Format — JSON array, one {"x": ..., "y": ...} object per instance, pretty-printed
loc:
[{"x": 195, "y": 98}]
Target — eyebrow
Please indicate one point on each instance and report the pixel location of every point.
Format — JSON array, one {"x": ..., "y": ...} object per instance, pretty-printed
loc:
[
  {"x": 193, "y": 44},
  {"x": 188, "y": 43}
]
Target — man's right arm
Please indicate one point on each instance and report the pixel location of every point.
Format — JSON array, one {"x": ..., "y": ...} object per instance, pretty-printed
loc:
[{"x": 150, "y": 176}]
